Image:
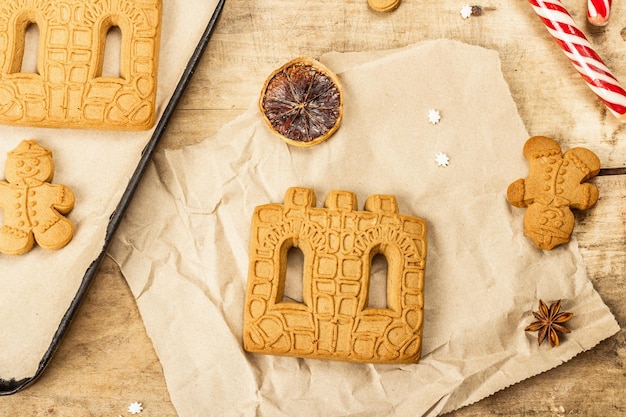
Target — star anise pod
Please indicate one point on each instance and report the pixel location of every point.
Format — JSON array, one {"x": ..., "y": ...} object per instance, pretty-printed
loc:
[{"x": 549, "y": 322}]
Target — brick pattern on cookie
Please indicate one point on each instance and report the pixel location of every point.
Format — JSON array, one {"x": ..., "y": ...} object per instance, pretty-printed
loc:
[
  {"x": 556, "y": 183},
  {"x": 68, "y": 89},
  {"x": 338, "y": 243},
  {"x": 33, "y": 207}
]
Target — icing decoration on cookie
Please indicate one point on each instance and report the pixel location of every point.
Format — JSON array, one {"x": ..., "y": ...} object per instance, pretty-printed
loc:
[
  {"x": 554, "y": 185},
  {"x": 33, "y": 207},
  {"x": 334, "y": 321},
  {"x": 68, "y": 89}
]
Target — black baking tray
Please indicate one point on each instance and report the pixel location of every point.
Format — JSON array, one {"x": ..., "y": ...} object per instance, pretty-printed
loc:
[{"x": 12, "y": 386}]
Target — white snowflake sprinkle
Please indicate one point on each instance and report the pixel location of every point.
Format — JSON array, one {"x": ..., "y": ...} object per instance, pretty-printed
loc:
[
  {"x": 135, "y": 408},
  {"x": 466, "y": 11},
  {"x": 442, "y": 159},
  {"x": 434, "y": 116}
]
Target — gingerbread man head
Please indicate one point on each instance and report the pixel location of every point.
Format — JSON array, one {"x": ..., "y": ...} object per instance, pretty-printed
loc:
[{"x": 29, "y": 160}]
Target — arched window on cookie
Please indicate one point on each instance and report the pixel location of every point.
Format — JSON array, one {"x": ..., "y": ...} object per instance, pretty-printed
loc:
[
  {"x": 294, "y": 275},
  {"x": 112, "y": 42},
  {"x": 292, "y": 281},
  {"x": 377, "y": 291},
  {"x": 383, "y": 273},
  {"x": 27, "y": 44}
]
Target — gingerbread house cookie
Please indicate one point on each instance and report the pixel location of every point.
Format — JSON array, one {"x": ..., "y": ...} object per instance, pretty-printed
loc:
[
  {"x": 334, "y": 321},
  {"x": 68, "y": 88}
]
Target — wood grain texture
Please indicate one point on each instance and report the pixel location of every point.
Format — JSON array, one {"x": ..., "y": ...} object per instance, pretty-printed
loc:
[{"x": 107, "y": 361}]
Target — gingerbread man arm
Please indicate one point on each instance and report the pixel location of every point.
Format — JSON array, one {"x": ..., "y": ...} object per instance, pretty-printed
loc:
[
  {"x": 65, "y": 199},
  {"x": 587, "y": 198},
  {"x": 587, "y": 165},
  {"x": 3, "y": 186},
  {"x": 586, "y": 161},
  {"x": 516, "y": 192},
  {"x": 4, "y": 193}
]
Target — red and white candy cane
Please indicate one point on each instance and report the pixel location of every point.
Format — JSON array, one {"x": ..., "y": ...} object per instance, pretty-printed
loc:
[
  {"x": 598, "y": 11},
  {"x": 577, "y": 48}
]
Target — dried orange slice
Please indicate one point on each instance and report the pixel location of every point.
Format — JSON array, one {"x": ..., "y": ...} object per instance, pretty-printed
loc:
[{"x": 302, "y": 102}]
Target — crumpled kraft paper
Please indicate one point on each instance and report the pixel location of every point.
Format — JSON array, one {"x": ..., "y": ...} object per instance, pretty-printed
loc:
[
  {"x": 183, "y": 246},
  {"x": 36, "y": 289}
]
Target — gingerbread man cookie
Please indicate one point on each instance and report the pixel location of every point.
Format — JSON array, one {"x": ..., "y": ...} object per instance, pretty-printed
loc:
[
  {"x": 33, "y": 208},
  {"x": 553, "y": 187}
]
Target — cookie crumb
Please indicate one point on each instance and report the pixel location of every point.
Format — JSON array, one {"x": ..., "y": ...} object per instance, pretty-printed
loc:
[{"x": 442, "y": 159}]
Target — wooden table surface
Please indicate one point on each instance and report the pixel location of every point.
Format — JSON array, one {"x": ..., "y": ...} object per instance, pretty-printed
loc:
[{"x": 106, "y": 361}]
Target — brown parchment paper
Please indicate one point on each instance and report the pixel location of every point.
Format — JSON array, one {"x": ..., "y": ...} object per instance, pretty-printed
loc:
[
  {"x": 37, "y": 288},
  {"x": 187, "y": 261}
]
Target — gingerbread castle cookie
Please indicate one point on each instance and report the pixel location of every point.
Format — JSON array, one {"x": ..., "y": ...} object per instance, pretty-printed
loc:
[
  {"x": 33, "y": 207},
  {"x": 334, "y": 321},
  {"x": 68, "y": 89},
  {"x": 554, "y": 185}
]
